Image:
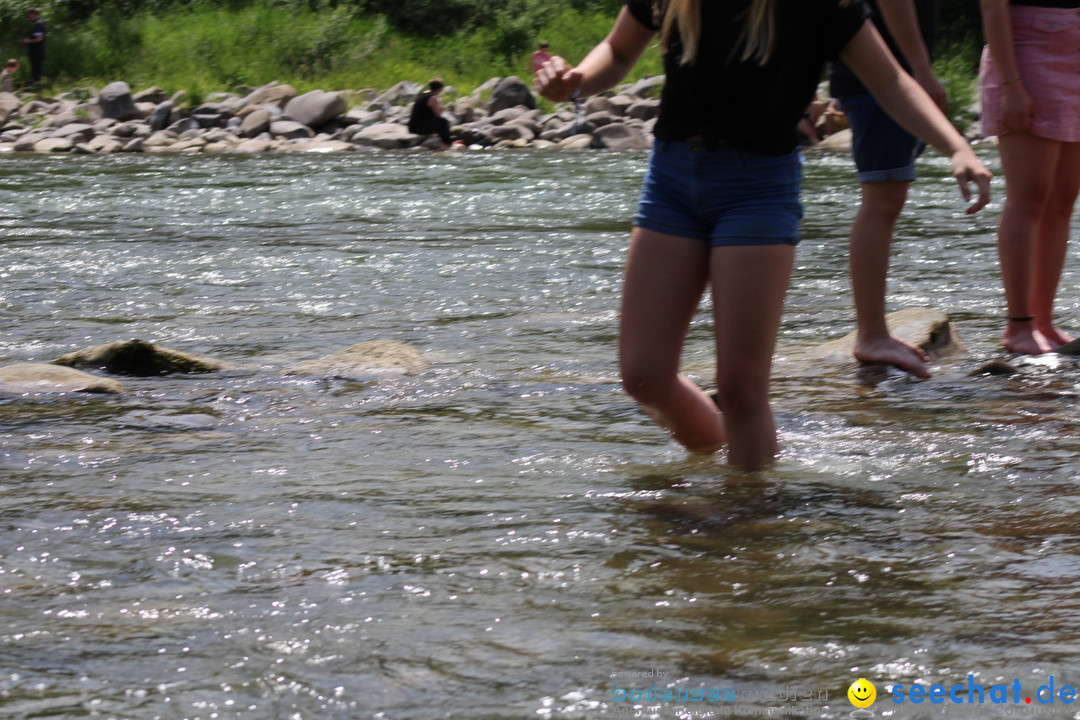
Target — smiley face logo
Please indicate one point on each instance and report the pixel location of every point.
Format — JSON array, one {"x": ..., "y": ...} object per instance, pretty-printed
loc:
[{"x": 862, "y": 693}]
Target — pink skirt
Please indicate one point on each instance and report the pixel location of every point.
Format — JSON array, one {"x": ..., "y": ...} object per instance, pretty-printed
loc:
[{"x": 1047, "y": 46}]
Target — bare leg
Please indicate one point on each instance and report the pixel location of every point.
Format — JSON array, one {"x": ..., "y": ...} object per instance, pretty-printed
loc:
[
  {"x": 871, "y": 234},
  {"x": 749, "y": 283},
  {"x": 1053, "y": 239},
  {"x": 1028, "y": 162},
  {"x": 665, "y": 279}
]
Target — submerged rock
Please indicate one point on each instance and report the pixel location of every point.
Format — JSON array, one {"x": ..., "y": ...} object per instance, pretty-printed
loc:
[
  {"x": 994, "y": 367},
  {"x": 1070, "y": 348},
  {"x": 138, "y": 357},
  {"x": 928, "y": 328},
  {"x": 33, "y": 378},
  {"x": 361, "y": 358}
]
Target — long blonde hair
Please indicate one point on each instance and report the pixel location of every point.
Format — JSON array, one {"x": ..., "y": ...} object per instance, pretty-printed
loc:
[{"x": 758, "y": 34}]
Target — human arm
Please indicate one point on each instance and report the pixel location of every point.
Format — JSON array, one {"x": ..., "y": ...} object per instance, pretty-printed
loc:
[
  {"x": 435, "y": 105},
  {"x": 602, "y": 68},
  {"x": 903, "y": 22},
  {"x": 907, "y": 103},
  {"x": 1017, "y": 108}
]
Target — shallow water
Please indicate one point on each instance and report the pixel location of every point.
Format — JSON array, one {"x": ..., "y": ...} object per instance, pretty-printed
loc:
[{"x": 502, "y": 535}]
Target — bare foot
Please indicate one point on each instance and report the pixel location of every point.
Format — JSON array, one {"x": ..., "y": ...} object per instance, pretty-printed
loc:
[
  {"x": 893, "y": 351},
  {"x": 1022, "y": 337},
  {"x": 1055, "y": 336}
]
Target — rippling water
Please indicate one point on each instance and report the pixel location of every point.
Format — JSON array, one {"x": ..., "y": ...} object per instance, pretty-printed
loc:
[{"x": 502, "y": 535}]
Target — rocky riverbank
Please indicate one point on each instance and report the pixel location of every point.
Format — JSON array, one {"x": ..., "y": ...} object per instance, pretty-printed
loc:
[{"x": 276, "y": 118}]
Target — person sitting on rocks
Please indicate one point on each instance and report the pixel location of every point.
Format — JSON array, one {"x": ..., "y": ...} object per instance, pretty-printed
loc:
[
  {"x": 7, "y": 76},
  {"x": 426, "y": 118}
]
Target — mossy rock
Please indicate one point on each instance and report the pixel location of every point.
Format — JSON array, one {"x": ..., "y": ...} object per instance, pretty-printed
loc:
[{"x": 138, "y": 357}]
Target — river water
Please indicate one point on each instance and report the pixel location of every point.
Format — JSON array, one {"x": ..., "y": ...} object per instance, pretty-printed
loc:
[{"x": 502, "y": 535}]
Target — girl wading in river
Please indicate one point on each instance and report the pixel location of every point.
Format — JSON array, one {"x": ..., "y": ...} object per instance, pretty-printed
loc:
[
  {"x": 721, "y": 205},
  {"x": 1030, "y": 86}
]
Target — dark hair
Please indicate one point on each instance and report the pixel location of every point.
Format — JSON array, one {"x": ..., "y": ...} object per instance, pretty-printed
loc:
[
  {"x": 543, "y": 44},
  {"x": 435, "y": 84}
]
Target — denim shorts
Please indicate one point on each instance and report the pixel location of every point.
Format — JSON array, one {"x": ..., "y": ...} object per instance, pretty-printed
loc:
[
  {"x": 884, "y": 151},
  {"x": 723, "y": 196}
]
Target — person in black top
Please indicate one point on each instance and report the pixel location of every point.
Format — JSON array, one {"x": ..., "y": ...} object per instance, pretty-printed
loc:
[
  {"x": 35, "y": 46},
  {"x": 720, "y": 206},
  {"x": 426, "y": 117}
]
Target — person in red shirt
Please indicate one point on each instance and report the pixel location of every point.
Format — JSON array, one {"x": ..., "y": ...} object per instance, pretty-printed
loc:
[{"x": 540, "y": 57}]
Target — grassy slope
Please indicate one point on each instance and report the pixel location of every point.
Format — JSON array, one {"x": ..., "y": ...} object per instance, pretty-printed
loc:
[{"x": 210, "y": 49}]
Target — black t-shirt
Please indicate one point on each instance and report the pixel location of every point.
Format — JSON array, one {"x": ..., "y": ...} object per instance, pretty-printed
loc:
[
  {"x": 37, "y": 48},
  {"x": 421, "y": 111},
  {"x": 752, "y": 107},
  {"x": 842, "y": 81}
]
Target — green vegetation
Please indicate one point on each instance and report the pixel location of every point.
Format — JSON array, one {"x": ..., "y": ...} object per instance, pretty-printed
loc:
[{"x": 204, "y": 46}]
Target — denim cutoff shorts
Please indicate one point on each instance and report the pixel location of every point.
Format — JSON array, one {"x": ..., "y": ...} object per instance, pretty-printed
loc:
[
  {"x": 723, "y": 196},
  {"x": 883, "y": 151}
]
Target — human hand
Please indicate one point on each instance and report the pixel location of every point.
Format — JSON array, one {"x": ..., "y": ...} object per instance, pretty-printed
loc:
[
  {"x": 556, "y": 80},
  {"x": 1017, "y": 109},
  {"x": 966, "y": 168}
]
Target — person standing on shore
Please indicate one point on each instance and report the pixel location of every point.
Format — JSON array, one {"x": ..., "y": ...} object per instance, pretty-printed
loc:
[
  {"x": 885, "y": 156},
  {"x": 720, "y": 207},
  {"x": 35, "y": 46},
  {"x": 1029, "y": 83}
]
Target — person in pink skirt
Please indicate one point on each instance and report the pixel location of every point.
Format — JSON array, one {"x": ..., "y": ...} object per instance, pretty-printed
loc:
[{"x": 1030, "y": 88}]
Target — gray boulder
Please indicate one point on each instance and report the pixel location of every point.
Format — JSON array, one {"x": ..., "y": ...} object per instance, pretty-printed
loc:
[
  {"x": 511, "y": 132},
  {"x": 272, "y": 94},
  {"x": 647, "y": 87},
  {"x": 53, "y": 145},
  {"x": 404, "y": 93},
  {"x": 155, "y": 95},
  {"x": 211, "y": 115},
  {"x": 33, "y": 378},
  {"x": 76, "y": 132},
  {"x": 644, "y": 109},
  {"x": 162, "y": 115},
  {"x": 506, "y": 115},
  {"x": 255, "y": 123},
  {"x": 361, "y": 359},
  {"x": 620, "y": 136},
  {"x": 116, "y": 102},
  {"x": 576, "y": 142},
  {"x": 138, "y": 357},
  {"x": 600, "y": 119},
  {"x": 388, "y": 136},
  {"x": 290, "y": 130},
  {"x": 136, "y": 145},
  {"x": 511, "y": 92},
  {"x": 598, "y": 103},
  {"x": 9, "y": 104},
  {"x": 316, "y": 107}
]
